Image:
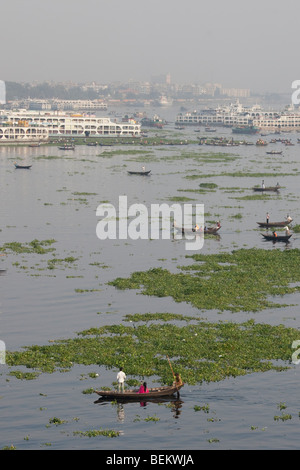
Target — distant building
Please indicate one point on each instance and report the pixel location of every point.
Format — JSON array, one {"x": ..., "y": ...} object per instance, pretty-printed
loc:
[{"x": 38, "y": 105}]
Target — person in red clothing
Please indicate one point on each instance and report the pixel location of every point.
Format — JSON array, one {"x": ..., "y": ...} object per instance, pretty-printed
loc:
[{"x": 143, "y": 388}]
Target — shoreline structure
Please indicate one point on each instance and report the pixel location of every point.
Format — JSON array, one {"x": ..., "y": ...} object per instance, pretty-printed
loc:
[
  {"x": 235, "y": 114},
  {"x": 23, "y": 125},
  {"x": 33, "y": 126}
]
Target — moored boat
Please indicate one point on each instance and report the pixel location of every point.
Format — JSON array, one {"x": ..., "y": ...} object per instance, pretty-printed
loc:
[{"x": 133, "y": 395}]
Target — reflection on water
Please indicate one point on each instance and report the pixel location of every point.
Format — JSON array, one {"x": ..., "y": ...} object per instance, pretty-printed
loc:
[{"x": 174, "y": 404}]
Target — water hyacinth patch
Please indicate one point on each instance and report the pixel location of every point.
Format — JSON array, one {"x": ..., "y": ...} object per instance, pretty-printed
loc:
[
  {"x": 239, "y": 281},
  {"x": 199, "y": 351}
]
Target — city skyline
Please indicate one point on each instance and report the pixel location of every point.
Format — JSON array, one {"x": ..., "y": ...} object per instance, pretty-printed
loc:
[{"x": 250, "y": 46}]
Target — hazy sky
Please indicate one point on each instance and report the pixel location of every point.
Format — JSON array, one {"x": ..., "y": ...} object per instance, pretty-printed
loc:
[{"x": 246, "y": 44}]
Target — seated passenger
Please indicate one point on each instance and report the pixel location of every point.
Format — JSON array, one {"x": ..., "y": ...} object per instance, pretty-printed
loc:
[{"x": 143, "y": 388}]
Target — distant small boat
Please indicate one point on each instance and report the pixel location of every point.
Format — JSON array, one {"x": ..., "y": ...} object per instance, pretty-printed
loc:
[
  {"x": 278, "y": 238},
  {"x": 267, "y": 188},
  {"x": 207, "y": 230},
  {"x": 261, "y": 143},
  {"x": 275, "y": 152},
  {"x": 144, "y": 173},
  {"x": 212, "y": 230},
  {"x": 24, "y": 167},
  {"x": 35, "y": 144},
  {"x": 67, "y": 147}
]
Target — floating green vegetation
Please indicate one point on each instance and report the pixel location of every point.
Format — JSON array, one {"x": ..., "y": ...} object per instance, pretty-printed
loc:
[
  {"x": 296, "y": 228},
  {"x": 77, "y": 193},
  {"x": 48, "y": 157},
  {"x": 180, "y": 199},
  {"x": 35, "y": 246},
  {"x": 239, "y": 281},
  {"x": 152, "y": 418},
  {"x": 243, "y": 174},
  {"x": 282, "y": 417},
  {"x": 53, "y": 262},
  {"x": 199, "y": 350},
  {"x": 24, "y": 375},
  {"x": 204, "y": 157},
  {"x": 111, "y": 153},
  {"x": 198, "y": 191},
  {"x": 56, "y": 421},
  {"x": 97, "y": 432},
  {"x": 204, "y": 408},
  {"x": 208, "y": 185},
  {"x": 255, "y": 197}
]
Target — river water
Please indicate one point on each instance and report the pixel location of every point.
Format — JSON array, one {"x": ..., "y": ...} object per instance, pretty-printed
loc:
[{"x": 57, "y": 199}]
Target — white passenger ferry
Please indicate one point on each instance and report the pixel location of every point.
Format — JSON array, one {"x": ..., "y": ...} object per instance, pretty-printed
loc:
[
  {"x": 237, "y": 115},
  {"x": 59, "y": 124}
]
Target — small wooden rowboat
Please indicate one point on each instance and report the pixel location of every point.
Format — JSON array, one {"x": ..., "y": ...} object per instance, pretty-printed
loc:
[
  {"x": 67, "y": 147},
  {"x": 144, "y": 173},
  {"x": 274, "y": 224},
  {"x": 133, "y": 395},
  {"x": 279, "y": 238},
  {"x": 267, "y": 188},
  {"x": 212, "y": 230},
  {"x": 192, "y": 231},
  {"x": 24, "y": 167}
]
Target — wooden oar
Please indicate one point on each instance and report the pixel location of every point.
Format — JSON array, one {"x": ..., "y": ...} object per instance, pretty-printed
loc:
[{"x": 171, "y": 367}]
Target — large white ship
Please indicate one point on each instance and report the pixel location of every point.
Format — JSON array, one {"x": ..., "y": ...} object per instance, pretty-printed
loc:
[
  {"x": 237, "y": 115},
  {"x": 60, "y": 124}
]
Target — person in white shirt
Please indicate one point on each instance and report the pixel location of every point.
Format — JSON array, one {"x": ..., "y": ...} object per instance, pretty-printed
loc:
[{"x": 121, "y": 378}]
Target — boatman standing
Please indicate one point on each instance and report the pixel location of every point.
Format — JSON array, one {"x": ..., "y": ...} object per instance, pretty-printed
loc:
[{"x": 121, "y": 376}]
